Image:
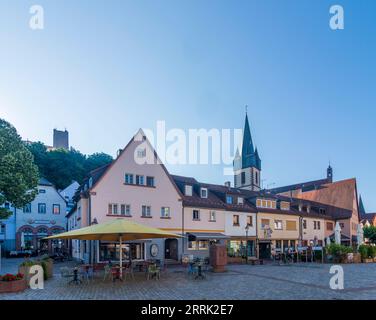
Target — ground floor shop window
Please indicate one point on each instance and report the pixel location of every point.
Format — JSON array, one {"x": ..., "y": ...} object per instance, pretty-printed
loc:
[
  {"x": 111, "y": 251},
  {"x": 199, "y": 245},
  {"x": 238, "y": 248}
]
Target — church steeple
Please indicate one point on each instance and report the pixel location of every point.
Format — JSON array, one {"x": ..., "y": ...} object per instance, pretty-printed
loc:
[
  {"x": 362, "y": 211},
  {"x": 250, "y": 157},
  {"x": 247, "y": 166}
]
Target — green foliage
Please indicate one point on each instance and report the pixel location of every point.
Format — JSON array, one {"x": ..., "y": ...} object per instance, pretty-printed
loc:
[
  {"x": 370, "y": 233},
  {"x": 338, "y": 251},
  {"x": 363, "y": 250},
  {"x": 18, "y": 173},
  {"x": 371, "y": 251},
  {"x": 61, "y": 166}
]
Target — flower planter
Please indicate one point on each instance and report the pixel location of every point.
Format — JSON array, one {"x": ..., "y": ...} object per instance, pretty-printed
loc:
[
  {"x": 25, "y": 270},
  {"x": 12, "y": 286},
  {"x": 49, "y": 267},
  {"x": 235, "y": 260},
  {"x": 368, "y": 260},
  {"x": 357, "y": 258}
]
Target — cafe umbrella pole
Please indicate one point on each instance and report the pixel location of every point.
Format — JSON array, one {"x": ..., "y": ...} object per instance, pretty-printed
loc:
[{"x": 121, "y": 259}]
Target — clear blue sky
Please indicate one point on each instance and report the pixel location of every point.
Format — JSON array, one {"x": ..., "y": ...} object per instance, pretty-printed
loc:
[{"x": 102, "y": 69}]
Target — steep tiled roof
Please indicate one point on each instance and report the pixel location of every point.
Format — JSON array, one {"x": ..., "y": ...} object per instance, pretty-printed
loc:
[
  {"x": 338, "y": 194},
  {"x": 314, "y": 184},
  {"x": 44, "y": 182}
]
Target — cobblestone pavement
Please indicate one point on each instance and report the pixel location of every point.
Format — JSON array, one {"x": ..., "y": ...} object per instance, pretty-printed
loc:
[{"x": 298, "y": 281}]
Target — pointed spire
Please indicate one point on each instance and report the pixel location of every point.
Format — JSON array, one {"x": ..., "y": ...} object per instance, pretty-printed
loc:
[
  {"x": 247, "y": 147},
  {"x": 362, "y": 211}
]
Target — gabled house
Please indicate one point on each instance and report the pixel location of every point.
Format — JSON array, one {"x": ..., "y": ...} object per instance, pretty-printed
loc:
[
  {"x": 135, "y": 186},
  {"x": 43, "y": 217}
]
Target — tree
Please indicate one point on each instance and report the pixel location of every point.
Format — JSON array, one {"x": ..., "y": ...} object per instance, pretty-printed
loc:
[
  {"x": 18, "y": 173},
  {"x": 97, "y": 160},
  {"x": 61, "y": 166},
  {"x": 370, "y": 233}
]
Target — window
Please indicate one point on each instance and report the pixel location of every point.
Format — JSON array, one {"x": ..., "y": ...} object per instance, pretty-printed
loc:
[
  {"x": 27, "y": 208},
  {"x": 129, "y": 178},
  {"x": 240, "y": 200},
  {"x": 229, "y": 199},
  {"x": 196, "y": 215},
  {"x": 250, "y": 221},
  {"x": 41, "y": 208},
  {"x": 265, "y": 223},
  {"x": 146, "y": 211},
  {"x": 322, "y": 211},
  {"x": 235, "y": 220},
  {"x": 150, "y": 181},
  {"x": 112, "y": 208},
  {"x": 203, "y": 245},
  {"x": 125, "y": 210},
  {"x": 139, "y": 180},
  {"x": 42, "y": 191},
  {"x": 2, "y": 228},
  {"x": 278, "y": 245},
  {"x": 285, "y": 205},
  {"x": 316, "y": 225},
  {"x": 304, "y": 224},
  {"x": 256, "y": 178},
  {"x": 165, "y": 212},
  {"x": 141, "y": 153},
  {"x": 291, "y": 225},
  {"x": 212, "y": 216},
  {"x": 342, "y": 225},
  {"x": 329, "y": 226},
  {"x": 56, "y": 208},
  {"x": 278, "y": 225},
  {"x": 204, "y": 192},
  {"x": 243, "y": 177},
  {"x": 192, "y": 245},
  {"x": 188, "y": 190}
]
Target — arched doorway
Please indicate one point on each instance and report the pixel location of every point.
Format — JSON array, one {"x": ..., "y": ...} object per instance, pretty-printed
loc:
[{"x": 171, "y": 249}]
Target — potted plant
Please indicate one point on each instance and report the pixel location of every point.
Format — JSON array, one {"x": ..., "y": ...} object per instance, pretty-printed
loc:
[
  {"x": 12, "y": 283},
  {"x": 47, "y": 263},
  {"x": 365, "y": 253}
]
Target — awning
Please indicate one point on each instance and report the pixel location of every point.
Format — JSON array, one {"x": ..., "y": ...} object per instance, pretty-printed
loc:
[
  {"x": 344, "y": 238},
  {"x": 192, "y": 236}
]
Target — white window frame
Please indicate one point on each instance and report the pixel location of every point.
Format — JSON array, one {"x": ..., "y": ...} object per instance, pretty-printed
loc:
[
  {"x": 146, "y": 211},
  {"x": 188, "y": 190},
  {"x": 163, "y": 212},
  {"x": 204, "y": 193},
  {"x": 240, "y": 200}
]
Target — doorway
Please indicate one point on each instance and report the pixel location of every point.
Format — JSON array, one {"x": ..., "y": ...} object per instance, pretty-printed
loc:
[
  {"x": 171, "y": 249},
  {"x": 265, "y": 250}
]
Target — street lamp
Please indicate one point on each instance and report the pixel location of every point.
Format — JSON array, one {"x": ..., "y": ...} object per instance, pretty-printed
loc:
[
  {"x": 92, "y": 244},
  {"x": 246, "y": 243}
]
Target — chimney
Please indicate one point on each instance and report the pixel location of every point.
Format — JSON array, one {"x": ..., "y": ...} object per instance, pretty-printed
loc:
[
  {"x": 118, "y": 152},
  {"x": 228, "y": 184}
]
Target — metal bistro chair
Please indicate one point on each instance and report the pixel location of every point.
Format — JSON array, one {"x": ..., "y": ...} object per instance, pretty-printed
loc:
[
  {"x": 128, "y": 271},
  {"x": 153, "y": 272},
  {"x": 107, "y": 272},
  {"x": 87, "y": 273}
]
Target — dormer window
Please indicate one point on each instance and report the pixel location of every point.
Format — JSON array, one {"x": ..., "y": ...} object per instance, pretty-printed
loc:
[
  {"x": 90, "y": 182},
  {"x": 285, "y": 205},
  {"x": 188, "y": 190},
  {"x": 322, "y": 211},
  {"x": 228, "y": 199},
  {"x": 240, "y": 200},
  {"x": 204, "y": 192},
  {"x": 265, "y": 203}
]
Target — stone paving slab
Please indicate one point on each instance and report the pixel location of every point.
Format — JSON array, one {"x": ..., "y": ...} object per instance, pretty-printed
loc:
[{"x": 297, "y": 281}]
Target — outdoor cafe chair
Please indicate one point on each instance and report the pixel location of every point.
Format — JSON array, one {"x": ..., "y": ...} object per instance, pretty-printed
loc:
[
  {"x": 128, "y": 271},
  {"x": 153, "y": 272},
  {"x": 107, "y": 272},
  {"x": 87, "y": 272}
]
